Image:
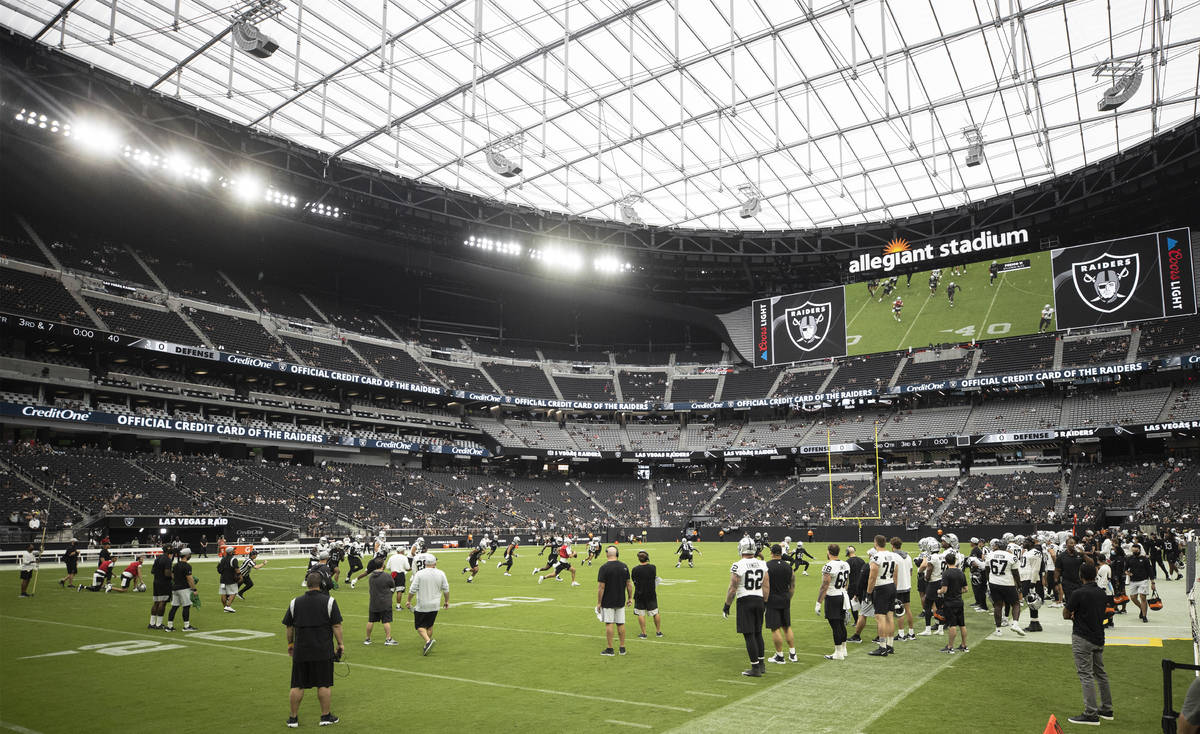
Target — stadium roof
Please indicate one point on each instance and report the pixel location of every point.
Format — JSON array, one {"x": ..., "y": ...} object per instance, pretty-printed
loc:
[{"x": 834, "y": 113}]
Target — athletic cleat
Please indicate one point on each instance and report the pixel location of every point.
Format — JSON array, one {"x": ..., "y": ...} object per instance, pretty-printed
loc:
[
  {"x": 353, "y": 583},
  {"x": 428, "y": 646},
  {"x": 877, "y": 639},
  {"x": 541, "y": 579},
  {"x": 367, "y": 641},
  {"x": 574, "y": 583},
  {"x": 793, "y": 658},
  {"x": 1034, "y": 626},
  {"x": 832, "y": 657},
  {"x": 508, "y": 574},
  {"x": 753, "y": 672},
  {"x": 642, "y": 636},
  {"x": 947, "y": 649},
  {"x": 879, "y": 652},
  {"x": 658, "y": 634},
  {"x": 855, "y": 639},
  {"x": 328, "y": 719},
  {"x": 190, "y": 628},
  {"x": 239, "y": 595},
  {"x": 608, "y": 652},
  {"x": 621, "y": 650},
  {"x": 230, "y": 609},
  {"x": 962, "y": 648},
  {"x": 806, "y": 573},
  {"x": 1088, "y": 719},
  {"x": 293, "y": 722},
  {"x": 470, "y": 579},
  {"x": 777, "y": 658},
  {"x": 890, "y": 650},
  {"x": 1017, "y": 628},
  {"x": 926, "y": 633},
  {"x": 389, "y": 642},
  {"x": 168, "y": 629},
  {"x": 62, "y": 583}
]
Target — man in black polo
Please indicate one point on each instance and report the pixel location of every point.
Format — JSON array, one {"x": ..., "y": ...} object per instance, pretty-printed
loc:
[
  {"x": 645, "y": 594},
  {"x": 778, "y": 614},
  {"x": 313, "y": 623},
  {"x": 613, "y": 594},
  {"x": 1085, "y": 608},
  {"x": 1068, "y": 563},
  {"x": 950, "y": 601},
  {"x": 183, "y": 586}
]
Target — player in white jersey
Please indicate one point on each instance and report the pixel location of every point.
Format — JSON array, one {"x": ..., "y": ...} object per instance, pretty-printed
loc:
[
  {"x": 1003, "y": 580},
  {"x": 903, "y": 590},
  {"x": 931, "y": 571},
  {"x": 749, "y": 582},
  {"x": 835, "y": 579},
  {"x": 1047, "y": 315},
  {"x": 881, "y": 588},
  {"x": 398, "y": 566},
  {"x": 1031, "y": 576}
]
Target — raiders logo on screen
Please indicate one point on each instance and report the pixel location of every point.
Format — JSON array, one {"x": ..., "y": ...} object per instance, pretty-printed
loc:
[
  {"x": 808, "y": 324},
  {"x": 1107, "y": 281}
]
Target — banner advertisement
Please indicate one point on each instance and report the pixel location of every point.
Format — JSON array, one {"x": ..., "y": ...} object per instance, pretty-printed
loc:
[{"x": 800, "y": 326}]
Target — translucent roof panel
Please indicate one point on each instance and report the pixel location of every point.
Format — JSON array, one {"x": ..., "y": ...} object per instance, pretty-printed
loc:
[{"x": 830, "y": 112}]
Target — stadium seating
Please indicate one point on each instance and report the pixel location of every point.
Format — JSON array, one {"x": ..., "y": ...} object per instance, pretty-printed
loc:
[
  {"x": 749, "y": 383},
  {"x": 1022, "y": 354},
  {"x": 589, "y": 388},
  {"x": 521, "y": 380},
  {"x": 926, "y": 422},
  {"x": 1019, "y": 497},
  {"x": 1178, "y": 501},
  {"x": 277, "y": 300},
  {"x": 653, "y": 437},
  {"x": 1164, "y": 338},
  {"x": 243, "y": 336},
  {"x": 461, "y": 377},
  {"x": 1119, "y": 484},
  {"x": 348, "y": 317},
  {"x": 1007, "y": 414},
  {"x": 639, "y": 387},
  {"x": 126, "y": 318},
  {"x": 600, "y": 436},
  {"x": 945, "y": 369},
  {"x": 87, "y": 254},
  {"x": 625, "y": 499},
  {"x": 42, "y": 297},
  {"x": 1181, "y": 405},
  {"x": 693, "y": 390},
  {"x": 193, "y": 281},
  {"x": 856, "y": 373},
  {"x": 1095, "y": 350},
  {"x": 679, "y": 499},
  {"x": 16, "y": 244},
  {"x": 392, "y": 362},
  {"x": 105, "y": 482},
  {"x": 802, "y": 383}
]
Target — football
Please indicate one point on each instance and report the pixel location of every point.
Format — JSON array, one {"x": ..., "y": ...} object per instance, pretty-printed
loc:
[{"x": 141, "y": 587}]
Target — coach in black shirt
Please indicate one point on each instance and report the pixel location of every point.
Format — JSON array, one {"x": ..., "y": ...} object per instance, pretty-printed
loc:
[
  {"x": 645, "y": 594},
  {"x": 778, "y": 613},
  {"x": 1141, "y": 579},
  {"x": 1085, "y": 609},
  {"x": 1068, "y": 563},
  {"x": 858, "y": 577},
  {"x": 951, "y": 601},
  {"x": 613, "y": 594},
  {"x": 313, "y": 622}
]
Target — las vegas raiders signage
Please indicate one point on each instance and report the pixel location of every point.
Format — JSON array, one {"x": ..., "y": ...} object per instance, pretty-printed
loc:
[
  {"x": 1130, "y": 279},
  {"x": 800, "y": 327}
]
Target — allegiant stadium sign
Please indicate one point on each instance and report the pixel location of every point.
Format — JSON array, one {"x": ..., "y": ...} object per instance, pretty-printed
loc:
[{"x": 899, "y": 252}]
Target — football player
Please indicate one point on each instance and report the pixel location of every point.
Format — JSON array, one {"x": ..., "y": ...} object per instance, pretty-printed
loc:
[
  {"x": 160, "y": 572},
  {"x": 993, "y": 271},
  {"x": 903, "y": 590},
  {"x": 1047, "y": 315},
  {"x": 760, "y": 542},
  {"x": 100, "y": 577},
  {"x": 750, "y": 584},
  {"x": 931, "y": 570},
  {"x": 684, "y": 551},
  {"x": 889, "y": 285},
  {"x": 798, "y": 557},
  {"x": 593, "y": 550},
  {"x": 474, "y": 558},
  {"x": 510, "y": 552},
  {"x": 1031, "y": 575},
  {"x": 1004, "y": 579},
  {"x": 562, "y": 559},
  {"x": 951, "y": 290},
  {"x": 374, "y": 564},
  {"x": 881, "y": 588},
  {"x": 132, "y": 577},
  {"x": 354, "y": 551},
  {"x": 835, "y": 581},
  {"x": 935, "y": 277},
  {"x": 897, "y": 305},
  {"x": 398, "y": 565}
]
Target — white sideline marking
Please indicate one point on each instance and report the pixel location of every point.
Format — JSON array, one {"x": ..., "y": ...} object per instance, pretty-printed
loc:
[
  {"x": 17, "y": 728},
  {"x": 456, "y": 679},
  {"x": 702, "y": 693},
  {"x": 50, "y": 655},
  {"x": 904, "y": 693},
  {"x": 627, "y": 723},
  {"x": 739, "y": 682}
]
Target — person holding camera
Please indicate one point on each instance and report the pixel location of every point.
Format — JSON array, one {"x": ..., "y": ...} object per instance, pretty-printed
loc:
[{"x": 313, "y": 623}]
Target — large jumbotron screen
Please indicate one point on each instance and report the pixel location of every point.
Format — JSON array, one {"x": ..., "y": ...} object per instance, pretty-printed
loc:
[{"x": 896, "y": 307}]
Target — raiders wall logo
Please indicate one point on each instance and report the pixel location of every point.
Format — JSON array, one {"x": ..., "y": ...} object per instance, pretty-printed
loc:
[
  {"x": 808, "y": 324},
  {"x": 1106, "y": 282},
  {"x": 129, "y": 521}
]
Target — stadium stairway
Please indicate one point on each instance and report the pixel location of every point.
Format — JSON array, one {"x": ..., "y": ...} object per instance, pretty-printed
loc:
[
  {"x": 899, "y": 368},
  {"x": 1155, "y": 488},
  {"x": 41, "y": 245},
  {"x": 858, "y": 497},
  {"x": 1058, "y": 355},
  {"x": 652, "y": 503},
  {"x": 1135, "y": 340},
  {"x": 707, "y": 509},
  {"x": 1064, "y": 495},
  {"x": 73, "y": 283},
  {"x": 936, "y": 517},
  {"x": 720, "y": 387},
  {"x": 975, "y": 357},
  {"x": 575, "y": 483},
  {"x": 249, "y": 304}
]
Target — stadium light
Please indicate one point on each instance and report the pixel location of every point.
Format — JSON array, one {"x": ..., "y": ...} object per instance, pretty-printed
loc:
[
  {"x": 96, "y": 138},
  {"x": 489, "y": 245},
  {"x": 274, "y": 196},
  {"x": 323, "y": 210},
  {"x": 246, "y": 188},
  {"x": 610, "y": 264},
  {"x": 42, "y": 121},
  {"x": 558, "y": 259},
  {"x": 1126, "y": 76},
  {"x": 974, "y": 145},
  {"x": 751, "y": 201},
  {"x": 629, "y": 215}
]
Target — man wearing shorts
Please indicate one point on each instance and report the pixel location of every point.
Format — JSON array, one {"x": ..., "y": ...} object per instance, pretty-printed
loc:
[
  {"x": 1003, "y": 580},
  {"x": 160, "y": 572},
  {"x": 131, "y": 577},
  {"x": 313, "y": 623},
  {"x": 228, "y": 570},
  {"x": 183, "y": 585},
  {"x": 951, "y": 603},
  {"x": 778, "y": 612},
  {"x": 614, "y": 592},
  {"x": 429, "y": 585},
  {"x": 381, "y": 587},
  {"x": 645, "y": 594},
  {"x": 71, "y": 559},
  {"x": 881, "y": 589}
]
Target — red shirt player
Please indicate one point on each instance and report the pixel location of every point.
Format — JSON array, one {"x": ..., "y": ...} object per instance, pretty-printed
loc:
[
  {"x": 564, "y": 556},
  {"x": 100, "y": 576},
  {"x": 896, "y": 306},
  {"x": 131, "y": 577}
]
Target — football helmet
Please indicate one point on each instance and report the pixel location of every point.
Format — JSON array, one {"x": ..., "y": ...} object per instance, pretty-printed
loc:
[
  {"x": 746, "y": 546},
  {"x": 1033, "y": 600},
  {"x": 952, "y": 539},
  {"x": 787, "y": 538},
  {"x": 516, "y": 539},
  {"x": 758, "y": 536}
]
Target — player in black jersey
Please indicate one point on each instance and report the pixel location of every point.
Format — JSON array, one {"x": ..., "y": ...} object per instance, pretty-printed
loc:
[
  {"x": 510, "y": 552},
  {"x": 473, "y": 562},
  {"x": 798, "y": 557},
  {"x": 374, "y": 564},
  {"x": 160, "y": 571},
  {"x": 951, "y": 290},
  {"x": 354, "y": 556}
]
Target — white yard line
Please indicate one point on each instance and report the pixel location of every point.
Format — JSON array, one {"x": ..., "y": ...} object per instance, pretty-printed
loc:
[
  {"x": 702, "y": 693},
  {"x": 455, "y": 679},
  {"x": 981, "y": 334},
  {"x": 17, "y": 728},
  {"x": 628, "y": 723}
]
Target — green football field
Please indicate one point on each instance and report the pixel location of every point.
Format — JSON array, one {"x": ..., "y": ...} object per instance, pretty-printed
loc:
[
  {"x": 515, "y": 656},
  {"x": 1010, "y": 307}
]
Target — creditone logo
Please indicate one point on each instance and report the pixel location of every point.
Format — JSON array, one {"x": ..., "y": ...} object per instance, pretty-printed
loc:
[
  {"x": 808, "y": 324},
  {"x": 1107, "y": 281}
]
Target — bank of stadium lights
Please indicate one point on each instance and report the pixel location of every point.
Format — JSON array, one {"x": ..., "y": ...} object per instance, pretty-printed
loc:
[
  {"x": 175, "y": 165},
  {"x": 487, "y": 244},
  {"x": 1126, "y": 78},
  {"x": 323, "y": 210},
  {"x": 610, "y": 264},
  {"x": 555, "y": 258},
  {"x": 41, "y": 121},
  {"x": 275, "y": 196}
]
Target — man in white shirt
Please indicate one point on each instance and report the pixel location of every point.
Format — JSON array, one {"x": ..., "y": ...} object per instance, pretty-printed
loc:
[
  {"x": 1003, "y": 579},
  {"x": 904, "y": 589},
  {"x": 398, "y": 566},
  {"x": 1031, "y": 574},
  {"x": 431, "y": 587},
  {"x": 749, "y": 582},
  {"x": 28, "y": 564},
  {"x": 835, "y": 578}
]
